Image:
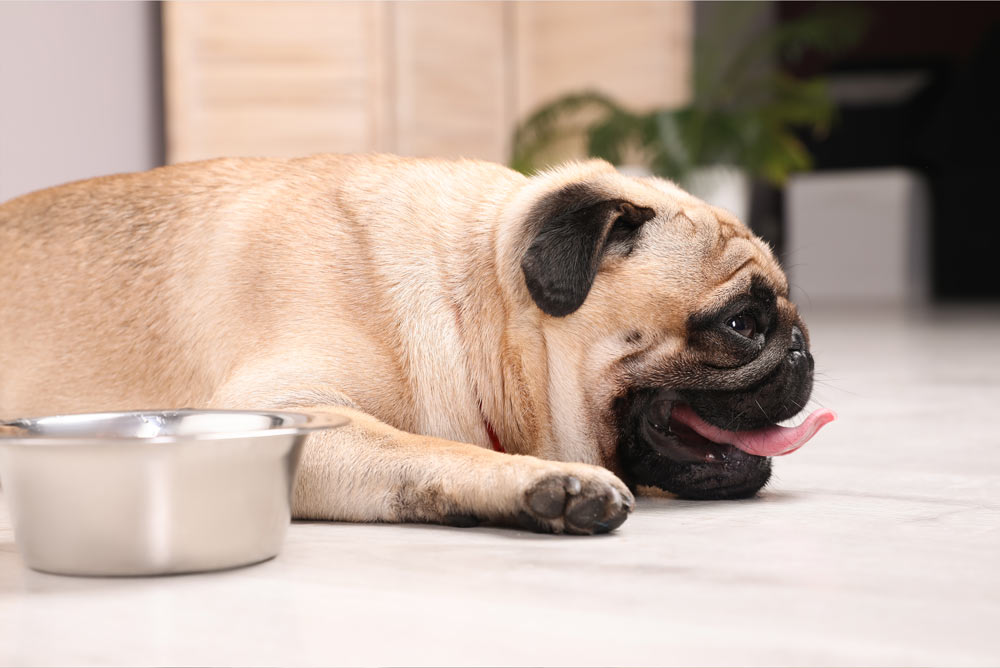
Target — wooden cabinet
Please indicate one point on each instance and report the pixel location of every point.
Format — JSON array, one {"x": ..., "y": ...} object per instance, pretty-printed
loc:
[{"x": 416, "y": 78}]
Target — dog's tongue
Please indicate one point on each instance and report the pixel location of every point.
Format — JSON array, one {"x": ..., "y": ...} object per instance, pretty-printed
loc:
[{"x": 767, "y": 442}]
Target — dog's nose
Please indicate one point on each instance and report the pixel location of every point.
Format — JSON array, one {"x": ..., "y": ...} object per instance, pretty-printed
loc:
[{"x": 798, "y": 342}]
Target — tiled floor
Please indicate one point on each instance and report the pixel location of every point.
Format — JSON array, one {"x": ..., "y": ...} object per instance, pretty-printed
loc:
[{"x": 876, "y": 544}]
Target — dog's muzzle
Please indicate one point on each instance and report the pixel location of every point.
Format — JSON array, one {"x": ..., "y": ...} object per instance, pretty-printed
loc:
[{"x": 712, "y": 444}]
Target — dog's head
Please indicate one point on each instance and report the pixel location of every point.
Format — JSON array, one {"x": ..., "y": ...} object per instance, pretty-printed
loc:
[{"x": 670, "y": 346}]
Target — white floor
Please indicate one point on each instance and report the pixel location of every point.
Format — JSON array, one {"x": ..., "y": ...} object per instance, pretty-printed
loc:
[{"x": 876, "y": 544}]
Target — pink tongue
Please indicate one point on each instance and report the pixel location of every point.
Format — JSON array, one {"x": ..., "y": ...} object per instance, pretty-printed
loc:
[{"x": 767, "y": 442}]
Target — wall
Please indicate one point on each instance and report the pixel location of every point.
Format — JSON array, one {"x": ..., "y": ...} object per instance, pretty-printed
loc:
[{"x": 79, "y": 91}]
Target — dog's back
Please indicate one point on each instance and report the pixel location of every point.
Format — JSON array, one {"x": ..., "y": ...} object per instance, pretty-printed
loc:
[
  {"x": 143, "y": 290},
  {"x": 87, "y": 275}
]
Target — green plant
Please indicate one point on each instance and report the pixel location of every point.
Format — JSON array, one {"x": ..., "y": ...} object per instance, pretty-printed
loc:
[{"x": 744, "y": 111}]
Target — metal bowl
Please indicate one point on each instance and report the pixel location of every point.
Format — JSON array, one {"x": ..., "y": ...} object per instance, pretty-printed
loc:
[{"x": 152, "y": 492}]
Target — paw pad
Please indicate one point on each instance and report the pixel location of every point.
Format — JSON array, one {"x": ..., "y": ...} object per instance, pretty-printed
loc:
[{"x": 566, "y": 503}]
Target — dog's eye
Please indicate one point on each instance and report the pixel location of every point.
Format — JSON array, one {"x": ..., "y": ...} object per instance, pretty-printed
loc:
[{"x": 743, "y": 324}]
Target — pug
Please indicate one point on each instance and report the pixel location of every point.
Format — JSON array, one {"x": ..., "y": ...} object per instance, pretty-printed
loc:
[{"x": 516, "y": 350}]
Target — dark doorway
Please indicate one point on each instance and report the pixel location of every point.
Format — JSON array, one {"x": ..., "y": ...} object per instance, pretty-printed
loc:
[{"x": 922, "y": 91}]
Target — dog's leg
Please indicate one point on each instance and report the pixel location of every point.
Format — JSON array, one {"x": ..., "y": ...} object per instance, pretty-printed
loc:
[{"x": 369, "y": 471}]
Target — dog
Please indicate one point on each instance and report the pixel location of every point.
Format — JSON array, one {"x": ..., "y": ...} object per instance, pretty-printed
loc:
[{"x": 523, "y": 351}]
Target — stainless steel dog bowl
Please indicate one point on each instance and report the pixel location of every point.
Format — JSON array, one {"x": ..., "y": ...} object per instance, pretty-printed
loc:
[{"x": 152, "y": 492}]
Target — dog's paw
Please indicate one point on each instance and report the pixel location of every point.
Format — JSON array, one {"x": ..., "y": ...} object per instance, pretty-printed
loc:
[{"x": 581, "y": 503}]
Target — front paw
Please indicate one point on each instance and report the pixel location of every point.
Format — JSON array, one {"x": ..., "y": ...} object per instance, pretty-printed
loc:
[{"x": 586, "y": 502}]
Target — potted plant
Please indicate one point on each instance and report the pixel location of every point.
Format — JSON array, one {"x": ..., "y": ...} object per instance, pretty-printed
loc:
[{"x": 742, "y": 120}]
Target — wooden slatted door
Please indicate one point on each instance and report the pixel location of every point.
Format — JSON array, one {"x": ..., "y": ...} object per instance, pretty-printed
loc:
[{"x": 416, "y": 78}]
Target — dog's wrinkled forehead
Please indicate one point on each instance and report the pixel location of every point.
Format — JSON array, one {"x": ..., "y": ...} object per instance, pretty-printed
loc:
[{"x": 727, "y": 243}]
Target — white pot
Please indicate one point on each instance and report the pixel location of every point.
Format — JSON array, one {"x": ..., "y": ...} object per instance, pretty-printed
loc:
[{"x": 724, "y": 186}]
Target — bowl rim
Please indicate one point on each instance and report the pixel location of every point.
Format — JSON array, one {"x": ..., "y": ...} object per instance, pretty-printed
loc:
[{"x": 14, "y": 432}]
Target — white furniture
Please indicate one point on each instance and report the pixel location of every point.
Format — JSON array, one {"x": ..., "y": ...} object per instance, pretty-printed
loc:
[{"x": 858, "y": 236}]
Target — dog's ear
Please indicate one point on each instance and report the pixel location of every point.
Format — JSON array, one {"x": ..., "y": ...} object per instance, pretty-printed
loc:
[{"x": 575, "y": 227}]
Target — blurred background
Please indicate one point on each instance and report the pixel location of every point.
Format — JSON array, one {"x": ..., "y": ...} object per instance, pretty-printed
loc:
[{"x": 858, "y": 138}]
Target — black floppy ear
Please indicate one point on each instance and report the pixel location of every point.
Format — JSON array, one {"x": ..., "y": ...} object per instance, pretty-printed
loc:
[{"x": 576, "y": 225}]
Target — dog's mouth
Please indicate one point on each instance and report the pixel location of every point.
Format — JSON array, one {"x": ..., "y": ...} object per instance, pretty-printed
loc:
[
  {"x": 674, "y": 430},
  {"x": 667, "y": 444}
]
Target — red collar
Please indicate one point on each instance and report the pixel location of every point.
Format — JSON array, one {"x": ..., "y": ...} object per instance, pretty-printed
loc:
[{"x": 494, "y": 441}]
